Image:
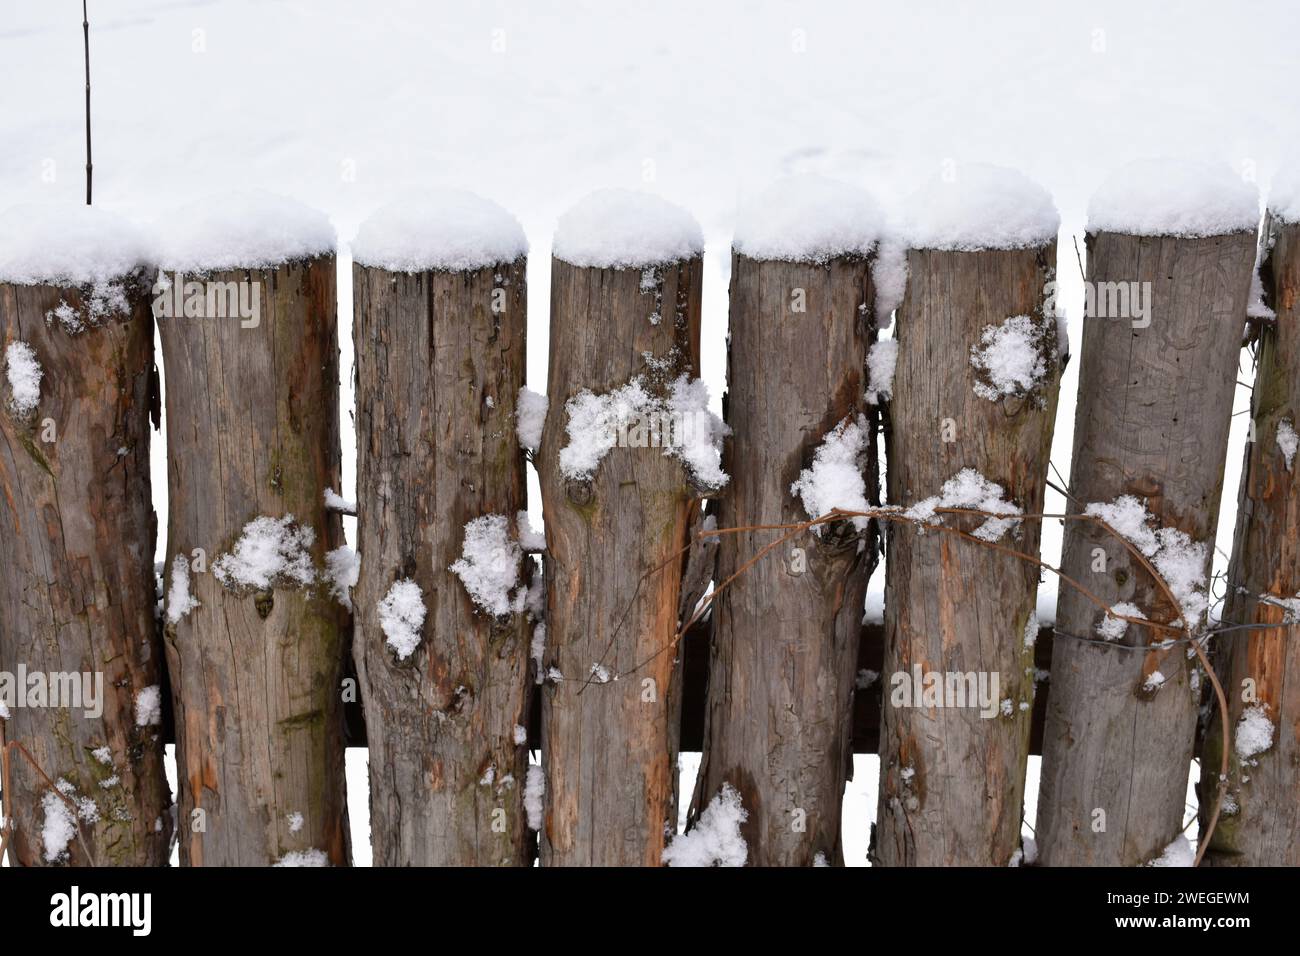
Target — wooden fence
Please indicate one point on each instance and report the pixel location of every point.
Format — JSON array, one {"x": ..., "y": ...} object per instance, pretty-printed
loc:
[{"x": 461, "y": 662}]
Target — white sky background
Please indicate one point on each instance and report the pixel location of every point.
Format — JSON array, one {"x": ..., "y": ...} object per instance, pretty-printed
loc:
[{"x": 345, "y": 104}]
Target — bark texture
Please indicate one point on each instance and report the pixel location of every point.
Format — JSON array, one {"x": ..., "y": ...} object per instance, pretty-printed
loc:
[
  {"x": 1259, "y": 824},
  {"x": 952, "y": 770},
  {"x": 786, "y": 631},
  {"x": 253, "y": 430},
  {"x": 609, "y": 750},
  {"x": 1152, "y": 422},
  {"x": 440, "y": 361},
  {"x": 76, "y": 577}
]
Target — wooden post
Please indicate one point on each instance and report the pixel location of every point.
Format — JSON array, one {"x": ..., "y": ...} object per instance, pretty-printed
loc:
[
  {"x": 440, "y": 362},
  {"x": 1155, "y": 401},
  {"x": 786, "y": 631},
  {"x": 953, "y": 768},
  {"x": 1259, "y": 824},
  {"x": 256, "y": 663},
  {"x": 77, "y": 591},
  {"x": 610, "y": 700}
]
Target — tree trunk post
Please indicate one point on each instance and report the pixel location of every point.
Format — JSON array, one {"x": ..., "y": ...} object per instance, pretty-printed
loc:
[
  {"x": 1259, "y": 824},
  {"x": 256, "y": 664},
  {"x": 77, "y": 591},
  {"x": 440, "y": 363},
  {"x": 610, "y": 699},
  {"x": 1155, "y": 403},
  {"x": 952, "y": 769}
]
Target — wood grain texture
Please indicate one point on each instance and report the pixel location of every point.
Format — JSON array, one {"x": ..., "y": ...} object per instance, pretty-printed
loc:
[
  {"x": 786, "y": 641},
  {"x": 1260, "y": 822},
  {"x": 952, "y": 777},
  {"x": 253, "y": 430},
  {"x": 76, "y": 574},
  {"x": 609, "y": 750},
  {"x": 438, "y": 374},
  {"x": 1152, "y": 421}
]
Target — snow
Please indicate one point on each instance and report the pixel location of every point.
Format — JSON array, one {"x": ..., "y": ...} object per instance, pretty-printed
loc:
[
  {"x": 401, "y": 615},
  {"x": 1174, "y": 197},
  {"x": 534, "y": 791},
  {"x": 889, "y": 276},
  {"x": 1031, "y": 630},
  {"x": 270, "y": 552},
  {"x": 1113, "y": 628},
  {"x": 624, "y": 229},
  {"x": 179, "y": 600},
  {"x": 58, "y": 828},
  {"x": 68, "y": 244},
  {"x": 489, "y": 565},
  {"x": 103, "y": 754},
  {"x": 148, "y": 706},
  {"x": 1011, "y": 358},
  {"x": 1254, "y": 733},
  {"x": 529, "y": 539},
  {"x": 304, "y": 858},
  {"x": 336, "y": 502},
  {"x": 342, "y": 571},
  {"x": 978, "y": 206},
  {"x": 1284, "y": 193},
  {"x": 882, "y": 358},
  {"x": 1287, "y": 441},
  {"x": 1155, "y": 680},
  {"x": 970, "y": 490},
  {"x": 295, "y": 821},
  {"x": 449, "y": 230},
  {"x": 1130, "y": 519},
  {"x": 834, "y": 479},
  {"x": 808, "y": 218},
  {"x": 531, "y": 418},
  {"x": 24, "y": 373},
  {"x": 245, "y": 229},
  {"x": 537, "y": 649},
  {"x": 519, "y": 735},
  {"x": 1182, "y": 852},
  {"x": 698, "y": 433},
  {"x": 715, "y": 839}
]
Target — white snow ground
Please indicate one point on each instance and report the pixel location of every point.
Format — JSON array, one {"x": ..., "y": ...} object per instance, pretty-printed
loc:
[{"x": 345, "y": 105}]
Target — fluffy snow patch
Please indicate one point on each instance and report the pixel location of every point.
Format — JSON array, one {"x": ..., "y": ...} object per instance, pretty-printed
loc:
[
  {"x": 58, "y": 828},
  {"x": 537, "y": 649},
  {"x": 1031, "y": 630},
  {"x": 270, "y": 551},
  {"x": 489, "y": 565},
  {"x": 450, "y": 230},
  {"x": 295, "y": 821},
  {"x": 1174, "y": 197},
  {"x": 24, "y": 374},
  {"x": 808, "y": 218},
  {"x": 336, "y": 502},
  {"x": 1284, "y": 194},
  {"x": 834, "y": 480},
  {"x": 529, "y": 539},
  {"x": 715, "y": 839},
  {"x": 1254, "y": 733},
  {"x": 148, "y": 706},
  {"x": 252, "y": 229},
  {"x": 1112, "y": 628},
  {"x": 882, "y": 358},
  {"x": 531, "y": 418},
  {"x": 978, "y": 206},
  {"x": 889, "y": 276},
  {"x": 67, "y": 244},
  {"x": 401, "y": 614},
  {"x": 623, "y": 229},
  {"x": 342, "y": 570},
  {"x": 970, "y": 490},
  {"x": 179, "y": 600},
  {"x": 304, "y": 858},
  {"x": 1287, "y": 441},
  {"x": 1011, "y": 358},
  {"x": 534, "y": 790},
  {"x": 1182, "y": 852}
]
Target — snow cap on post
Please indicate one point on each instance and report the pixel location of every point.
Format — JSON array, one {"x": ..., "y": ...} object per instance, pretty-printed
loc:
[
  {"x": 624, "y": 229},
  {"x": 67, "y": 244},
  {"x": 808, "y": 218},
  {"x": 979, "y": 207},
  {"x": 251, "y": 229},
  {"x": 1174, "y": 197},
  {"x": 1284, "y": 194},
  {"x": 442, "y": 230}
]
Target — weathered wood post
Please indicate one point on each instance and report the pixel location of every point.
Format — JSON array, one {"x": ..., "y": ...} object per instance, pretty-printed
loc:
[
  {"x": 255, "y": 637},
  {"x": 787, "y": 629},
  {"x": 77, "y": 593},
  {"x": 625, "y": 345},
  {"x": 440, "y": 320},
  {"x": 1170, "y": 256},
  {"x": 974, "y": 401},
  {"x": 1259, "y": 822}
]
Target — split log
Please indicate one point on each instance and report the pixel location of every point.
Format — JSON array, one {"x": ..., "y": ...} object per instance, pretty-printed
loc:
[
  {"x": 1152, "y": 421},
  {"x": 440, "y": 362},
  {"x": 256, "y": 668},
  {"x": 77, "y": 590},
  {"x": 786, "y": 631},
  {"x": 609, "y": 747},
  {"x": 952, "y": 771},
  {"x": 1259, "y": 824}
]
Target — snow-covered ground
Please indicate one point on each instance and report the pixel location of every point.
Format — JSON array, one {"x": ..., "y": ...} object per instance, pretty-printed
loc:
[{"x": 345, "y": 105}]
